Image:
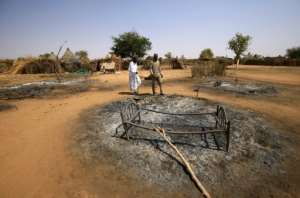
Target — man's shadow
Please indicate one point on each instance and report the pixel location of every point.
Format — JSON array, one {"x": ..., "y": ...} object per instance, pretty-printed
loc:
[
  {"x": 125, "y": 93},
  {"x": 131, "y": 94}
]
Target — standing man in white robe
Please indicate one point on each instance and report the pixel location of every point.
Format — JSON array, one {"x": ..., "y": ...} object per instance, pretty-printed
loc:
[{"x": 134, "y": 81}]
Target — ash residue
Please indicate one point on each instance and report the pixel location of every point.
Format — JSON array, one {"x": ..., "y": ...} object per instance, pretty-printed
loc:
[
  {"x": 252, "y": 167},
  {"x": 43, "y": 88},
  {"x": 240, "y": 88}
]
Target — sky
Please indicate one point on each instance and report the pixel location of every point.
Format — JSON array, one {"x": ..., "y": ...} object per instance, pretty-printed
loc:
[{"x": 183, "y": 27}]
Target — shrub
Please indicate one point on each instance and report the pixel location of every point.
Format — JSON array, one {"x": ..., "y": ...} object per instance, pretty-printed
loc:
[
  {"x": 206, "y": 54},
  {"x": 225, "y": 61},
  {"x": 293, "y": 52},
  {"x": 272, "y": 61},
  {"x": 5, "y": 65},
  {"x": 168, "y": 55}
]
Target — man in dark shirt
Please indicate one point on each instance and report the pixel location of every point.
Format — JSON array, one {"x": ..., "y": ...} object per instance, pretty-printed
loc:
[{"x": 156, "y": 74}]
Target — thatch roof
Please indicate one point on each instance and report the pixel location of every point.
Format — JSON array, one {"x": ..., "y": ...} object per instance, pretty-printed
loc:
[
  {"x": 69, "y": 57},
  {"x": 33, "y": 66}
]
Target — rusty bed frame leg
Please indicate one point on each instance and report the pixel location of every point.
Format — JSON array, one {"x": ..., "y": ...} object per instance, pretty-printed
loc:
[{"x": 227, "y": 136}]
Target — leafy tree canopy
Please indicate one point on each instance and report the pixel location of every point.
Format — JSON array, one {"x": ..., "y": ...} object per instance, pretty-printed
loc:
[
  {"x": 293, "y": 52},
  {"x": 81, "y": 53},
  {"x": 130, "y": 44},
  {"x": 83, "y": 56},
  {"x": 168, "y": 55},
  {"x": 206, "y": 54},
  {"x": 239, "y": 44},
  {"x": 48, "y": 56}
]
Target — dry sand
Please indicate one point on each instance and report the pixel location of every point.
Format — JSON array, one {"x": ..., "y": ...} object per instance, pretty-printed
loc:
[{"x": 34, "y": 136}]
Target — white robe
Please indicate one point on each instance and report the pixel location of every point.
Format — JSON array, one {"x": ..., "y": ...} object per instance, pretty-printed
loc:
[{"x": 133, "y": 77}]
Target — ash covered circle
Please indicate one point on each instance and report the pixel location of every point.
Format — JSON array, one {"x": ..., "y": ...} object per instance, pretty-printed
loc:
[
  {"x": 252, "y": 166},
  {"x": 249, "y": 88}
]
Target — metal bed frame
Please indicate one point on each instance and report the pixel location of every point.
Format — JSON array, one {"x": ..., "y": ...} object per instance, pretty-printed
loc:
[{"x": 131, "y": 115}]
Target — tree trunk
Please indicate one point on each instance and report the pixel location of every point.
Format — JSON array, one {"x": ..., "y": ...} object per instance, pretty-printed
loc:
[{"x": 237, "y": 63}]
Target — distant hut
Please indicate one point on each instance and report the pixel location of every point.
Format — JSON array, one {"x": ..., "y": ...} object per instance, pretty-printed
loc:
[
  {"x": 52, "y": 56},
  {"x": 33, "y": 66},
  {"x": 117, "y": 60},
  {"x": 69, "y": 61},
  {"x": 177, "y": 64},
  {"x": 68, "y": 57}
]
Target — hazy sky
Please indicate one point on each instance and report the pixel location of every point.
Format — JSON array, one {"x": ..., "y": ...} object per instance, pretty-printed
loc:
[{"x": 29, "y": 27}]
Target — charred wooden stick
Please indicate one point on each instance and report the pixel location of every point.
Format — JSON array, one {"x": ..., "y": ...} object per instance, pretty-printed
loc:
[
  {"x": 57, "y": 63},
  {"x": 202, "y": 189}
]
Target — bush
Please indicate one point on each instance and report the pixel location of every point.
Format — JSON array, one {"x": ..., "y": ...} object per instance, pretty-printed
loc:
[
  {"x": 225, "y": 61},
  {"x": 5, "y": 65},
  {"x": 293, "y": 52},
  {"x": 206, "y": 54},
  {"x": 272, "y": 61}
]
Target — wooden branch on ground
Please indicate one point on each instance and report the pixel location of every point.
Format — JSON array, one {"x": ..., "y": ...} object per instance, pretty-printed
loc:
[{"x": 202, "y": 189}]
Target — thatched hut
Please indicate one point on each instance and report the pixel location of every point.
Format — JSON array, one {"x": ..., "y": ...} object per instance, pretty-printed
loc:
[
  {"x": 177, "y": 64},
  {"x": 33, "y": 66},
  {"x": 70, "y": 62}
]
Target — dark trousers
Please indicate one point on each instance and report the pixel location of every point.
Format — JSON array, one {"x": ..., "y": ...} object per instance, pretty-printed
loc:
[{"x": 156, "y": 79}]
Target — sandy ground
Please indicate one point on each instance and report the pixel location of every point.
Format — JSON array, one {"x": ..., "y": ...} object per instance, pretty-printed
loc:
[
  {"x": 34, "y": 136},
  {"x": 282, "y": 75}
]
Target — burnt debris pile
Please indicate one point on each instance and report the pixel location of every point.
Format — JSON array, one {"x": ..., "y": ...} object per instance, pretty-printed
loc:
[
  {"x": 42, "y": 88},
  {"x": 256, "y": 149},
  {"x": 208, "y": 129},
  {"x": 239, "y": 87}
]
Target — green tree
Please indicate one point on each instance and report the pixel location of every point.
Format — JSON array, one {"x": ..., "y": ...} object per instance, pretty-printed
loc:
[
  {"x": 130, "y": 44},
  {"x": 239, "y": 44},
  {"x": 168, "y": 55},
  {"x": 82, "y": 56},
  {"x": 45, "y": 56},
  {"x": 252, "y": 56},
  {"x": 293, "y": 52},
  {"x": 206, "y": 54}
]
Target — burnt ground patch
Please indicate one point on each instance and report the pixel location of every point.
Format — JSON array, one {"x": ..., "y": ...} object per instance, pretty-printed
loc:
[
  {"x": 238, "y": 87},
  {"x": 52, "y": 88},
  {"x": 253, "y": 167},
  {"x": 43, "y": 88}
]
